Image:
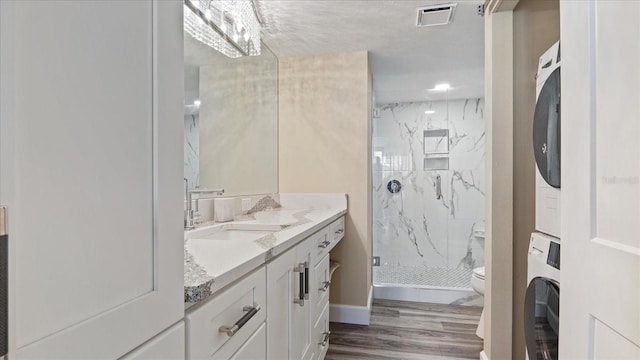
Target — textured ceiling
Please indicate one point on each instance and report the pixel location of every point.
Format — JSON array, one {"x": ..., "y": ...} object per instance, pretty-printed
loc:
[{"x": 406, "y": 60}]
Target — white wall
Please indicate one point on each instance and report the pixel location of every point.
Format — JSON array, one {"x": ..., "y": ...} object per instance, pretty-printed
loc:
[{"x": 325, "y": 146}]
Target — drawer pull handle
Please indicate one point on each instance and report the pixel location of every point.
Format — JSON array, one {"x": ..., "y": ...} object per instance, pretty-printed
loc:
[
  {"x": 324, "y": 244},
  {"x": 325, "y": 338},
  {"x": 306, "y": 280},
  {"x": 325, "y": 285},
  {"x": 232, "y": 330},
  {"x": 339, "y": 231},
  {"x": 303, "y": 273}
]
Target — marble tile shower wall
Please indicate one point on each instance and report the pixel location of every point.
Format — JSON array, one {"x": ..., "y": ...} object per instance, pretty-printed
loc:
[
  {"x": 413, "y": 227},
  {"x": 192, "y": 150}
]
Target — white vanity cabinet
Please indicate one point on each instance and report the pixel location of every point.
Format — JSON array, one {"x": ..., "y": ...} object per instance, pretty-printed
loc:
[
  {"x": 298, "y": 283},
  {"x": 90, "y": 152},
  {"x": 281, "y": 309}
]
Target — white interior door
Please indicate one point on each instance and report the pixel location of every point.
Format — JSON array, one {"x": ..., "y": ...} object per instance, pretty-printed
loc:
[
  {"x": 90, "y": 167},
  {"x": 600, "y": 264}
]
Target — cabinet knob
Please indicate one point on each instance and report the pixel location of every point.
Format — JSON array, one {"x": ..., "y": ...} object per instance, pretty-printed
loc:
[
  {"x": 325, "y": 286},
  {"x": 325, "y": 338},
  {"x": 324, "y": 244}
]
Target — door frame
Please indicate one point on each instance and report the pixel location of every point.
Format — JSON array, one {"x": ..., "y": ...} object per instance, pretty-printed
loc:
[{"x": 499, "y": 203}]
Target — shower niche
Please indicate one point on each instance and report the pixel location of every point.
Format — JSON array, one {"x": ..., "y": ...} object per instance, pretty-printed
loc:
[{"x": 436, "y": 149}]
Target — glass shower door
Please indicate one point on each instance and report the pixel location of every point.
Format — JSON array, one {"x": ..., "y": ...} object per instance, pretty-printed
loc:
[
  {"x": 428, "y": 197},
  {"x": 410, "y": 206}
]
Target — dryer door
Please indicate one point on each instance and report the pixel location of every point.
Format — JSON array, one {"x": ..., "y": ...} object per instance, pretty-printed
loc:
[
  {"x": 541, "y": 319},
  {"x": 546, "y": 130}
]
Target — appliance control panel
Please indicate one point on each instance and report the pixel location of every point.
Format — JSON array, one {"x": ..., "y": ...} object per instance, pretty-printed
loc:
[{"x": 553, "y": 256}]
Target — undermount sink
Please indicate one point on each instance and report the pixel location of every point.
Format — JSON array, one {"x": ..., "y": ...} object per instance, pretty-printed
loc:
[{"x": 234, "y": 232}]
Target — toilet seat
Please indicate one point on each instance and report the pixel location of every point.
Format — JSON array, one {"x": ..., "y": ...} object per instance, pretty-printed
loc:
[
  {"x": 477, "y": 283},
  {"x": 477, "y": 280},
  {"x": 479, "y": 272}
]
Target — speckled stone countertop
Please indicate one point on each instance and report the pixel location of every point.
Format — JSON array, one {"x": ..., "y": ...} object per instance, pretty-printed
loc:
[{"x": 210, "y": 265}]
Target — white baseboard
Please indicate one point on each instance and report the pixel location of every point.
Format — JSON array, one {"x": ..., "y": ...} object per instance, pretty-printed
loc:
[
  {"x": 483, "y": 355},
  {"x": 350, "y": 314}
]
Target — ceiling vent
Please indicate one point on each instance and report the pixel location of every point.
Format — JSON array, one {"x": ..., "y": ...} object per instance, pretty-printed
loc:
[{"x": 435, "y": 15}]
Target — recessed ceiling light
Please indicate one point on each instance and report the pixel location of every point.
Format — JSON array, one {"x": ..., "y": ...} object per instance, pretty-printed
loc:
[
  {"x": 442, "y": 87},
  {"x": 196, "y": 103},
  {"x": 430, "y": 112}
]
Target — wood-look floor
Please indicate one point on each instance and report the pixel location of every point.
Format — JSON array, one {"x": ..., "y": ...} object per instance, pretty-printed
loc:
[{"x": 409, "y": 330}]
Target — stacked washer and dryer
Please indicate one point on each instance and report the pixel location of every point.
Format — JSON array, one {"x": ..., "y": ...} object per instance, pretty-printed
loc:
[{"x": 541, "y": 313}]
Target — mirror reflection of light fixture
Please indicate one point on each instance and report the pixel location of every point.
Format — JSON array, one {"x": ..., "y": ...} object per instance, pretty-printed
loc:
[
  {"x": 429, "y": 112},
  {"x": 231, "y": 27},
  {"x": 441, "y": 87}
]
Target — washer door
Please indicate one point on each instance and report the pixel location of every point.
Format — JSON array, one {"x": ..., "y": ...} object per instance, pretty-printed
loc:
[
  {"x": 541, "y": 319},
  {"x": 546, "y": 130}
]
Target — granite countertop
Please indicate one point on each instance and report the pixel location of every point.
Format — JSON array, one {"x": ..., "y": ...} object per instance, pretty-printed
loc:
[{"x": 210, "y": 265}]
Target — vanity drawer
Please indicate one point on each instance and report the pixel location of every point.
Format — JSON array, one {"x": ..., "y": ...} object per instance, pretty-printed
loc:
[
  {"x": 241, "y": 309},
  {"x": 322, "y": 243},
  {"x": 327, "y": 238},
  {"x": 320, "y": 286},
  {"x": 253, "y": 349},
  {"x": 321, "y": 334},
  {"x": 337, "y": 230}
]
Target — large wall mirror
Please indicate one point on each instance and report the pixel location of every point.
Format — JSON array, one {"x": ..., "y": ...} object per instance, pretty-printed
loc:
[{"x": 230, "y": 120}]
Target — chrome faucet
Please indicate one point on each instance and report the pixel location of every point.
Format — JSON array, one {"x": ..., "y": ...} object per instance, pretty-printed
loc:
[{"x": 189, "y": 212}]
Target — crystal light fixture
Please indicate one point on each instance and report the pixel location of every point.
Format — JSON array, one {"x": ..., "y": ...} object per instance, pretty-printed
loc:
[{"x": 229, "y": 26}]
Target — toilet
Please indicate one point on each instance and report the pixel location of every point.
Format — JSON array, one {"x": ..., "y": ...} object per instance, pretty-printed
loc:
[{"x": 477, "y": 283}]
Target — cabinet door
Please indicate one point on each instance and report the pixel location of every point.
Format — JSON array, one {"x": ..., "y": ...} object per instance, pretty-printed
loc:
[
  {"x": 90, "y": 164},
  {"x": 167, "y": 346},
  {"x": 302, "y": 322},
  {"x": 280, "y": 296},
  {"x": 321, "y": 333},
  {"x": 320, "y": 286}
]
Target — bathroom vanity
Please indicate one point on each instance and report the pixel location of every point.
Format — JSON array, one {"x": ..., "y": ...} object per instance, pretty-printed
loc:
[{"x": 258, "y": 287}]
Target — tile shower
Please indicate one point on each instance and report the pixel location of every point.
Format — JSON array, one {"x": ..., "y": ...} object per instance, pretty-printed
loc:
[
  {"x": 192, "y": 149},
  {"x": 425, "y": 240}
]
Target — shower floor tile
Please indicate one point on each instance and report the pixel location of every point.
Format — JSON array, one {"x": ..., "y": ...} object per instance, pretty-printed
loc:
[{"x": 422, "y": 276}]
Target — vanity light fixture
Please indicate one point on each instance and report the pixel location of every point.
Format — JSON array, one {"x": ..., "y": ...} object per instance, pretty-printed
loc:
[
  {"x": 430, "y": 112},
  {"x": 231, "y": 27}
]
